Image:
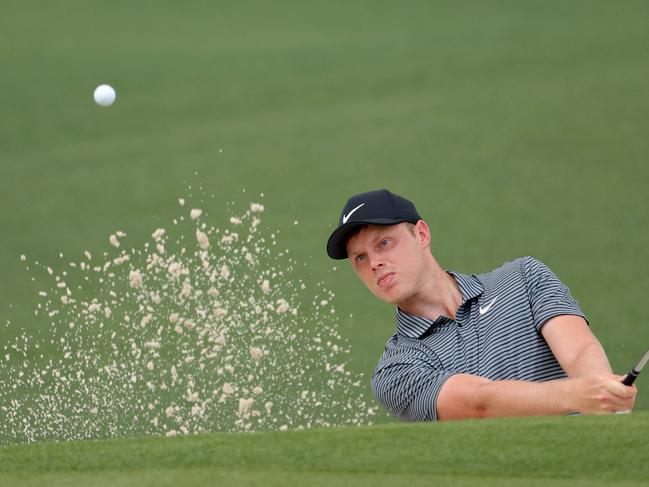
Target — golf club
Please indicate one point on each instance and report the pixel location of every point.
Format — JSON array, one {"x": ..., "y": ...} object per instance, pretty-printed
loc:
[{"x": 635, "y": 372}]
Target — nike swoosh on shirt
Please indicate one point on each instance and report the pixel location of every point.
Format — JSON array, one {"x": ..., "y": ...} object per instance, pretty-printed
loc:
[
  {"x": 346, "y": 217},
  {"x": 484, "y": 309}
]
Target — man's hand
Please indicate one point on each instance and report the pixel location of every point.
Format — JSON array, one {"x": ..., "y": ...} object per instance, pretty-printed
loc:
[{"x": 601, "y": 394}]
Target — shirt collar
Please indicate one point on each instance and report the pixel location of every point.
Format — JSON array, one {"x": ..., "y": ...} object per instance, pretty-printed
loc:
[{"x": 414, "y": 326}]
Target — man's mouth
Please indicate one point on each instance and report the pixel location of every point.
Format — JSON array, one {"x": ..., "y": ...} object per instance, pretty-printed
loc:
[{"x": 386, "y": 280}]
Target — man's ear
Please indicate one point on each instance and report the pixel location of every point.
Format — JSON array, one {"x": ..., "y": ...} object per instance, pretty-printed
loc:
[{"x": 422, "y": 232}]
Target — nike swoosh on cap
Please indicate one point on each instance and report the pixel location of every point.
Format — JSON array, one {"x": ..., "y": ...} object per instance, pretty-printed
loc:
[{"x": 346, "y": 217}]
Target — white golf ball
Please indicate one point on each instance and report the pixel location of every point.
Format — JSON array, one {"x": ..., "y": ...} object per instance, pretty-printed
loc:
[{"x": 104, "y": 95}]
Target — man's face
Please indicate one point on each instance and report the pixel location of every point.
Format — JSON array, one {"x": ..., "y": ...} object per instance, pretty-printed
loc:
[{"x": 390, "y": 260}]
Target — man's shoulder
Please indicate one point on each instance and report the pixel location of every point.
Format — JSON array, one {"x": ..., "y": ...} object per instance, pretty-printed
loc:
[
  {"x": 519, "y": 266},
  {"x": 396, "y": 341},
  {"x": 399, "y": 344},
  {"x": 513, "y": 275},
  {"x": 504, "y": 270},
  {"x": 401, "y": 349},
  {"x": 390, "y": 352}
]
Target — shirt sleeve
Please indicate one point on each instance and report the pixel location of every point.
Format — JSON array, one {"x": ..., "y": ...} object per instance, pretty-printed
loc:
[
  {"x": 407, "y": 382},
  {"x": 548, "y": 296}
]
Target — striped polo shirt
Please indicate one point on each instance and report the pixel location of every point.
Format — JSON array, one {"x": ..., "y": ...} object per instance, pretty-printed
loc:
[{"x": 496, "y": 334}]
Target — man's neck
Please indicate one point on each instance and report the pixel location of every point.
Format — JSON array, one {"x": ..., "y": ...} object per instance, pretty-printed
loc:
[{"x": 440, "y": 296}]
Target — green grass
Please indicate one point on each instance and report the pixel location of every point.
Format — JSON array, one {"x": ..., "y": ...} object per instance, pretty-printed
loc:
[{"x": 592, "y": 451}]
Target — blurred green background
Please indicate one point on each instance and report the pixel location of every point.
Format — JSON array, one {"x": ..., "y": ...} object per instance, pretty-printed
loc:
[{"x": 517, "y": 128}]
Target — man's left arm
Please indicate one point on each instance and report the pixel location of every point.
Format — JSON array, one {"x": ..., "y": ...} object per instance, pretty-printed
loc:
[
  {"x": 582, "y": 357},
  {"x": 562, "y": 323},
  {"x": 575, "y": 347}
]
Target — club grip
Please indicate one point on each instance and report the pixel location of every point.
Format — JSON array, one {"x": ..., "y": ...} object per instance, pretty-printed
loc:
[{"x": 630, "y": 377}]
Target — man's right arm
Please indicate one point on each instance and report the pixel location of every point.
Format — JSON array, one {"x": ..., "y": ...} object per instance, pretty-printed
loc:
[
  {"x": 466, "y": 396},
  {"x": 412, "y": 386}
]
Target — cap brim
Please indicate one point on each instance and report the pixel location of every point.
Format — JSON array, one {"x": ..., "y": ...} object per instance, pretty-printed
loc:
[{"x": 337, "y": 244}]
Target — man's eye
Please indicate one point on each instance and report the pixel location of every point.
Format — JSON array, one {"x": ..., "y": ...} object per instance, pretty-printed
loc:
[
  {"x": 360, "y": 257},
  {"x": 385, "y": 242}
]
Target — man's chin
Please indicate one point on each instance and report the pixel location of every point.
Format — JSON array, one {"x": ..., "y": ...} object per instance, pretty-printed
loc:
[{"x": 387, "y": 295}]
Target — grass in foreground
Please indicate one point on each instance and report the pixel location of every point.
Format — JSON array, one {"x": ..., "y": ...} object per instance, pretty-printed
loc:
[{"x": 590, "y": 451}]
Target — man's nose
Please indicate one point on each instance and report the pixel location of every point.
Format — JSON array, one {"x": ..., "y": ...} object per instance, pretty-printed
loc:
[{"x": 375, "y": 260}]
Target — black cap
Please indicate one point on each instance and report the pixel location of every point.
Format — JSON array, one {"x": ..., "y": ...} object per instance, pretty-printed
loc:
[{"x": 375, "y": 208}]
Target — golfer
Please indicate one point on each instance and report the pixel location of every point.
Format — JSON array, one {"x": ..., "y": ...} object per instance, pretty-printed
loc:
[{"x": 510, "y": 342}]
